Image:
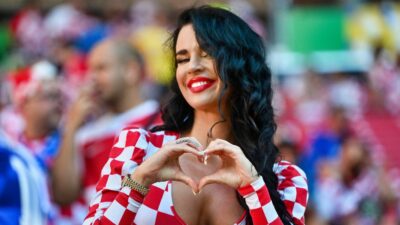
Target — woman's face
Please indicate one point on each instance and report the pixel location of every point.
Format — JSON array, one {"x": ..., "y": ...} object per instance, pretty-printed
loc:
[{"x": 196, "y": 74}]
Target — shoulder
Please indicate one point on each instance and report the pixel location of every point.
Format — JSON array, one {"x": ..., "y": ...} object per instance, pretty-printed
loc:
[
  {"x": 98, "y": 129},
  {"x": 293, "y": 189},
  {"x": 133, "y": 146},
  {"x": 290, "y": 175},
  {"x": 133, "y": 136}
]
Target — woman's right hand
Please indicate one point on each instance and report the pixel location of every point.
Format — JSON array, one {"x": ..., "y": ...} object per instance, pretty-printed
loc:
[{"x": 164, "y": 165}]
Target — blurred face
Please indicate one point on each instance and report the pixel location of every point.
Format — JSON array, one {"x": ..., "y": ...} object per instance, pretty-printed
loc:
[
  {"x": 106, "y": 73},
  {"x": 196, "y": 75},
  {"x": 45, "y": 106}
]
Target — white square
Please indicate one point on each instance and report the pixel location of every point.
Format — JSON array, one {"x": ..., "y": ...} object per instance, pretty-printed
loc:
[
  {"x": 128, "y": 167},
  {"x": 289, "y": 194},
  {"x": 168, "y": 138},
  {"x": 115, "y": 212},
  {"x": 150, "y": 150},
  {"x": 270, "y": 212},
  {"x": 107, "y": 167},
  {"x": 253, "y": 202},
  {"x": 142, "y": 142},
  {"x": 121, "y": 143},
  {"x": 166, "y": 203},
  {"x": 126, "y": 154},
  {"x": 114, "y": 182},
  {"x": 258, "y": 184},
  {"x": 145, "y": 215},
  {"x": 298, "y": 210},
  {"x": 300, "y": 182}
]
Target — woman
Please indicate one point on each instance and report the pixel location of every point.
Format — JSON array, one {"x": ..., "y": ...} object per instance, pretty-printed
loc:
[{"x": 213, "y": 160}]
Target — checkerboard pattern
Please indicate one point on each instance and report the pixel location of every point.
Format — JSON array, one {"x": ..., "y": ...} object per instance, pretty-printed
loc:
[
  {"x": 116, "y": 205},
  {"x": 292, "y": 187},
  {"x": 94, "y": 142}
]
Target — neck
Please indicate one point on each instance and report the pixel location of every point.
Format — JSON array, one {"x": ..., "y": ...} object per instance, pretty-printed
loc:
[
  {"x": 128, "y": 100},
  {"x": 203, "y": 122}
]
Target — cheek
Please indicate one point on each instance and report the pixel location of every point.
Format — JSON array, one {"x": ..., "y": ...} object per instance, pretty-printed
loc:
[
  {"x": 102, "y": 77},
  {"x": 44, "y": 107},
  {"x": 180, "y": 78},
  {"x": 36, "y": 109}
]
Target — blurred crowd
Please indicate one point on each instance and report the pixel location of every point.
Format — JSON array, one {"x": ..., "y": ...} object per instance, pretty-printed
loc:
[
  {"x": 340, "y": 124},
  {"x": 70, "y": 80}
]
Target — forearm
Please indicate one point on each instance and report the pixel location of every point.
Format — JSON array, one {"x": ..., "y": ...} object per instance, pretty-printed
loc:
[
  {"x": 293, "y": 191},
  {"x": 66, "y": 172},
  {"x": 258, "y": 200},
  {"x": 115, "y": 203},
  {"x": 122, "y": 210}
]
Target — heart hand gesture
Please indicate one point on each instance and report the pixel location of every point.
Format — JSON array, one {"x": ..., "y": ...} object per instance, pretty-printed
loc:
[
  {"x": 164, "y": 164},
  {"x": 236, "y": 170}
]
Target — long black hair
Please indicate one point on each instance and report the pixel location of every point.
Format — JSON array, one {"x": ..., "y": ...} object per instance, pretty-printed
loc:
[{"x": 240, "y": 59}]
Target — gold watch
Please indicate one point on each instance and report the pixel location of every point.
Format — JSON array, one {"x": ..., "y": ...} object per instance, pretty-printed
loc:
[{"x": 134, "y": 185}]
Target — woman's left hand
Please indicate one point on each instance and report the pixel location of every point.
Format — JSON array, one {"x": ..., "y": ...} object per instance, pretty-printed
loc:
[{"x": 236, "y": 170}]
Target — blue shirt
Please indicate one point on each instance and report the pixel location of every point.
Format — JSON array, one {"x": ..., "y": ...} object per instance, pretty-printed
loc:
[{"x": 23, "y": 190}]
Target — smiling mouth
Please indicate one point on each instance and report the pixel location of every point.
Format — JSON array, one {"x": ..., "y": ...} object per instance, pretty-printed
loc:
[{"x": 200, "y": 85}]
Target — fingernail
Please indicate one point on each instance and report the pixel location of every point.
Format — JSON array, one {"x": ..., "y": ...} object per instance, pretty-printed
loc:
[
  {"x": 194, "y": 193},
  {"x": 205, "y": 159}
]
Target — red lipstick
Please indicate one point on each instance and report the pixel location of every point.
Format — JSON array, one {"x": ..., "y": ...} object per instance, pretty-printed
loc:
[{"x": 199, "y": 84}]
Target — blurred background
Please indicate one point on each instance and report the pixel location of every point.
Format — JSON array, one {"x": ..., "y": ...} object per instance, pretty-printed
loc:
[{"x": 336, "y": 71}]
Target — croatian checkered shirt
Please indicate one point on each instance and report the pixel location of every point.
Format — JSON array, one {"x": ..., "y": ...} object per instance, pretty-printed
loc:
[{"x": 115, "y": 205}]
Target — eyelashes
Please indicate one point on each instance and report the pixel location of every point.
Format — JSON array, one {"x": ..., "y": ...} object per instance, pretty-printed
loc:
[
  {"x": 180, "y": 61},
  {"x": 184, "y": 60}
]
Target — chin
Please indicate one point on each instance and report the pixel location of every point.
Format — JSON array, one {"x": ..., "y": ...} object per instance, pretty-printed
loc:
[{"x": 204, "y": 106}]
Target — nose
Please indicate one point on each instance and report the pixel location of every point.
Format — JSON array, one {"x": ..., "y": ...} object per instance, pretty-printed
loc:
[{"x": 195, "y": 65}]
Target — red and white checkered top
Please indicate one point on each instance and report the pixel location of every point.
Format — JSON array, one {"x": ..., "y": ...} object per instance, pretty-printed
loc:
[
  {"x": 116, "y": 205},
  {"x": 94, "y": 142}
]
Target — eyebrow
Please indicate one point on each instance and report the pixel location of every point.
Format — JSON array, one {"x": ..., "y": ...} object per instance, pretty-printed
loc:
[{"x": 181, "y": 52}]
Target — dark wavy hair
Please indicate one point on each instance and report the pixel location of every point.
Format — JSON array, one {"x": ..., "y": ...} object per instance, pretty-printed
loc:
[{"x": 240, "y": 59}]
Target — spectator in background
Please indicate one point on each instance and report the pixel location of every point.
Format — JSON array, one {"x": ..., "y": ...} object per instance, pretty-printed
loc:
[
  {"x": 38, "y": 99},
  {"x": 116, "y": 71},
  {"x": 68, "y": 20},
  {"x": 352, "y": 189},
  {"x": 24, "y": 196},
  {"x": 325, "y": 145},
  {"x": 150, "y": 33},
  {"x": 384, "y": 82},
  {"x": 289, "y": 151},
  {"x": 10, "y": 120},
  {"x": 27, "y": 27}
]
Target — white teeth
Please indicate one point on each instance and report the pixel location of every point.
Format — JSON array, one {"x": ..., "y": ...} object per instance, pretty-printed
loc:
[{"x": 198, "y": 84}]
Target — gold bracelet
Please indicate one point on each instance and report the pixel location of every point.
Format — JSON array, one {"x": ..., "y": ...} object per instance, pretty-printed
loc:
[{"x": 134, "y": 185}]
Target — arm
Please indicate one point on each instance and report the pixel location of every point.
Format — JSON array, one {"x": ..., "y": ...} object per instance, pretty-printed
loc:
[
  {"x": 66, "y": 170},
  {"x": 239, "y": 173},
  {"x": 292, "y": 188},
  {"x": 113, "y": 205},
  {"x": 146, "y": 164}
]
